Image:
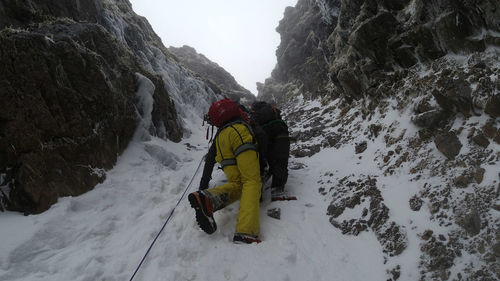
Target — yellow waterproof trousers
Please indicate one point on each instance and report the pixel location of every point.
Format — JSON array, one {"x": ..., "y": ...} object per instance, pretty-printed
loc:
[{"x": 243, "y": 184}]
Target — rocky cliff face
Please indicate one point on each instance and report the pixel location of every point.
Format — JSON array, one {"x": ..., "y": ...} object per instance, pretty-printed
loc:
[
  {"x": 70, "y": 79},
  {"x": 224, "y": 83},
  {"x": 334, "y": 47},
  {"x": 422, "y": 79}
]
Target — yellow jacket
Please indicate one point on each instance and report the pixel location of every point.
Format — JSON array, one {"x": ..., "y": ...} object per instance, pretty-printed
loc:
[{"x": 231, "y": 141}]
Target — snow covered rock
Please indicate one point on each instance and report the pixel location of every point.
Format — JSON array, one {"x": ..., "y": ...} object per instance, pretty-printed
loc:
[
  {"x": 345, "y": 47},
  {"x": 448, "y": 143},
  {"x": 67, "y": 113},
  {"x": 421, "y": 88},
  {"x": 213, "y": 74},
  {"x": 74, "y": 75}
]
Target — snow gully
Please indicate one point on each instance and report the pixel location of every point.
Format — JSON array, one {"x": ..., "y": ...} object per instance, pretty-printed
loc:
[{"x": 168, "y": 219}]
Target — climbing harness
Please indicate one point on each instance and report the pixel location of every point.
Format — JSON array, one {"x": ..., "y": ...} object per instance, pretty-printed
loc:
[{"x": 168, "y": 219}]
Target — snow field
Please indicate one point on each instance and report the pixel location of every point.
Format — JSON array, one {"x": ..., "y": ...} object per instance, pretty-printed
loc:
[{"x": 103, "y": 234}]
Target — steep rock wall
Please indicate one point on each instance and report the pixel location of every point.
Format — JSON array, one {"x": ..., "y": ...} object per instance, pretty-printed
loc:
[
  {"x": 69, "y": 86},
  {"x": 421, "y": 78},
  {"x": 345, "y": 47}
]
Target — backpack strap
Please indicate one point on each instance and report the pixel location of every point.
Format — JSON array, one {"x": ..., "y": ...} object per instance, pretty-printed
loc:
[
  {"x": 228, "y": 162},
  {"x": 275, "y": 121},
  {"x": 244, "y": 147}
]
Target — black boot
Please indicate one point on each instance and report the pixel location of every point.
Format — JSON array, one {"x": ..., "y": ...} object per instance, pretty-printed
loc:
[{"x": 204, "y": 211}]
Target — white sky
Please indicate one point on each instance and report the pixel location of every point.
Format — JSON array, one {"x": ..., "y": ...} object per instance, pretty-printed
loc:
[{"x": 238, "y": 35}]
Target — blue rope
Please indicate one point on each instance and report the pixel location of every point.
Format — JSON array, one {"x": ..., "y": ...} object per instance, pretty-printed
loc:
[{"x": 168, "y": 219}]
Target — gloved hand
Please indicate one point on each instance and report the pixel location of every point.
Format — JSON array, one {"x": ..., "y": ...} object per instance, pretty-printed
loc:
[{"x": 204, "y": 183}]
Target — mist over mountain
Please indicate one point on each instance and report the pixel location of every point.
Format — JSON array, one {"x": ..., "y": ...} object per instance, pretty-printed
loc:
[{"x": 213, "y": 73}]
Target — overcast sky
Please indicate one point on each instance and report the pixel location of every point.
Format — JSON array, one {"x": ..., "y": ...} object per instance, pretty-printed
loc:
[{"x": 239, "y": 35}]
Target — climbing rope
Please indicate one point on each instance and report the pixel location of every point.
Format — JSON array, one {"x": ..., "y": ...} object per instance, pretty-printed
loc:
[{"x": 168, "y": 219}]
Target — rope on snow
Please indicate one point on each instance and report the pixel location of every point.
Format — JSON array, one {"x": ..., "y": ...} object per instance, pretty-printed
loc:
[{"x": 168, "y": 219}]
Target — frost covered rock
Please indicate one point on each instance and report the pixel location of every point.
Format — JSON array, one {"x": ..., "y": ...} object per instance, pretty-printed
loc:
[
  {"x": 430, "y": 119},
  {"x": 332, "y": 48},
  {"x": 213, "y": 73},
  {"x": 431, "y": 81},
  {"x": 493, "y": 106},
  {"x": 74, "y": 65},
  {"x": 67, "y": 113},
  {"x": 448, "y": 143},
  {"x": 471, "y": 222},
  {"x": 391, "y": 236}
]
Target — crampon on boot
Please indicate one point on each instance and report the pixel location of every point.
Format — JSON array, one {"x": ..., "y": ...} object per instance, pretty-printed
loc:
[
  {"x": 204, "y": 212},
  {"x": 278, "y": 194},
  {"x": 240, "y": 238}
]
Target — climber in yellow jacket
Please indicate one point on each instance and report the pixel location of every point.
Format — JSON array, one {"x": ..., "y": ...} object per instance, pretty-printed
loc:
[{"x": 237, "y": 154}]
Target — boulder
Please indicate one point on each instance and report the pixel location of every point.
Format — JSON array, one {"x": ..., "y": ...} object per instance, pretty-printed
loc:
[
  {"x": 493, "y": 106},
  {"x": 430, "y": 119},
  {"x": 448, "y": 143},
  {"x": 455, "y": 96},
  {"x": 470, "y": 222},
  {"x": 361, "y": 147},
  {"x": 481, "y": 140}
]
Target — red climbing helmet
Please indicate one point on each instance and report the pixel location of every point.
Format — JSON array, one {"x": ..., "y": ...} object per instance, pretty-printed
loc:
[{"x": 222, "y": 111}]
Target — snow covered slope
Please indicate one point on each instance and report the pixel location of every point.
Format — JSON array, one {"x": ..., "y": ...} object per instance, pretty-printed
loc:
[
  {"x": 367, "y": 209},
  {"x": 103, "y": 234},
  {"x": 400, "y": 184},
  {"x": 434, "y": 213}
]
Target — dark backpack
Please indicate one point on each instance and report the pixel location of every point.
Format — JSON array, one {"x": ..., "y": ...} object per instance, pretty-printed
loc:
[{"x": 259, "y": 134}]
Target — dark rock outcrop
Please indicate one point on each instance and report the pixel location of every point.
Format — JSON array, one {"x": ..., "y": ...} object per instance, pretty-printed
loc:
[
  {"x": 391, "y": 236},
  {"x": 68, "y": 113},
  {"x": 70, "y": 76},
  {"x": 69, "y": 92},
  {"x": 302, "y": 54},
  {"x": 430, "y": 119},
  {"x": 339, "y": 47},
  {"x": 435, "y": 62}
]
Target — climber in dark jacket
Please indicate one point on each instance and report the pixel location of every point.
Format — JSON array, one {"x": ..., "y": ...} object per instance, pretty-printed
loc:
[{"x": 278, "y": 146}]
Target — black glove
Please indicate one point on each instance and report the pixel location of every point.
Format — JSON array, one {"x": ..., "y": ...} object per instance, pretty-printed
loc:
[{"x": 204, "y": 183}]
